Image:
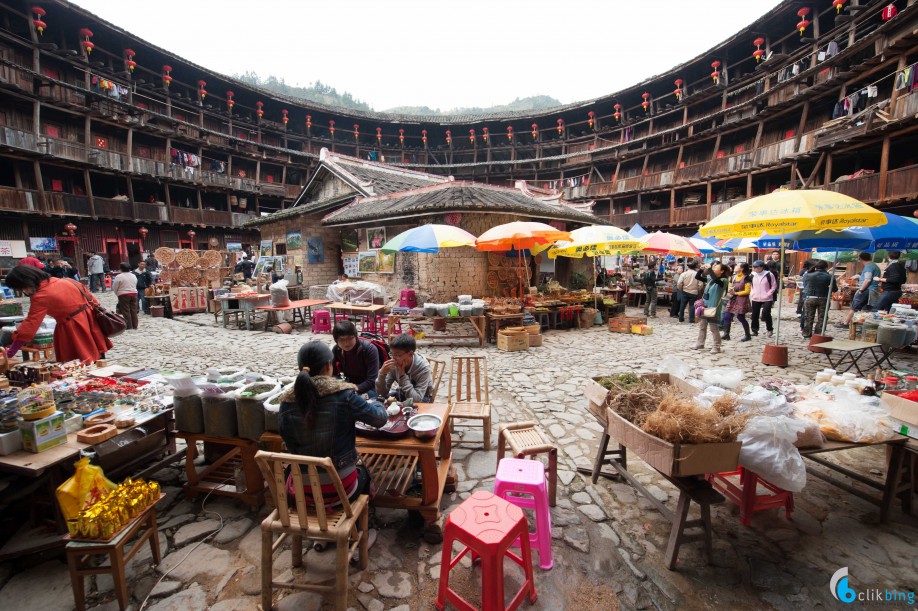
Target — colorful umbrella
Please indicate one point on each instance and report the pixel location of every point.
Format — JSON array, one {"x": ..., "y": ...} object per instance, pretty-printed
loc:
[
  {"x": 899, "y": 233},
  {"x": 429, "y": 238},
  {"x": 704, "y": 245},
  {"x": 637, "y": 231},
  {"x": 783, "y": 212},
  {"x": 595, "y": 241},
  {"x": 663, "y": 242},
  {"x": 519, "y": 235}
]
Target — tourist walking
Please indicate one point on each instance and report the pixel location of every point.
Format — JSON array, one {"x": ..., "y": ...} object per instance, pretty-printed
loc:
[
  {"x": 144, "y": 281},
  {"x": 805, "y": 268},
  {"x": 713, "y": 297},
  {"x": 816, "y": 284},
  {"x": 690, "y": 287},
  {"x": 649, "y": 279},
  {"x": 95, "y": 268},
  {"x": 738, "y": 304},
  {"x": 764, "y": 288},
  {"x": 125, "y": 288},
  {"x": 893, "y": 278}
]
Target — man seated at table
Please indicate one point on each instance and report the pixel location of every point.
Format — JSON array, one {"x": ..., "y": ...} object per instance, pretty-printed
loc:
[
  {"x": 356, "y": 359},
  {"x": 409, "y": 371}
]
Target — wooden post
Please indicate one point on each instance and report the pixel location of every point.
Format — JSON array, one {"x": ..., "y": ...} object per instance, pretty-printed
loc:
[
  {"x": 88, "y": 182},
  {"x": 884, "y": 169},
  {"x": 802, "y": 125},
  {"x": 828, "y": 176},
  {"x": 36, "y": 167}
]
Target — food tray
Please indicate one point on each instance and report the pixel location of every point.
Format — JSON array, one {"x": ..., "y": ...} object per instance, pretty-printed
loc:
[{"x": 395, "y": 428}]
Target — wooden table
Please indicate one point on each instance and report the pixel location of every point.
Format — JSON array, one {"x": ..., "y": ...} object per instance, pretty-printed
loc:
[
  {"x": 392, "y": 462},
  {"x": 478, "y": 324},
  {"x": 854, "y": 351},
  {"x": 243, "y": 303},
  {"x": 219, "y": 477},
  {"x": 495, "y": 322},
  {"x": 301, "y": 307},
  {"x": 349, "y": 309}
]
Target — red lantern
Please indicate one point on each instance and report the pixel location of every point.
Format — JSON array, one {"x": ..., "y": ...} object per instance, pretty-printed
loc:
[
  {"x": 424, "y": 137},
  {"x": 167, "y": 76},
  {"x": 510, "y": 133},
  {"x": 378, "y": 135},
  {"x": 560, "y": 126},
  {"x": 284, "y": 118},
  {"x": 308, "y": 122},
  {"x": 401, "y": 136},
  {"x": 838, "y": 4},
  {"x": 678, "y": 91},
  {"x": 484, "y": 134},
  {"x": 259, "y": 109},
  {"x": 71, "y": 228},
  {"x": 804, "y": 23},
  {"x": 715, "y": 76},
  {"x": 37, "y": 22},
  {"x": 129, "y": 59},
  {"x": 646, "y": 103},
  {"x": 191, "y": 235},
  {"x": 331, "y": 127},
  {"x": 472, "y": 136},
  {"x": 758, "y": 53},
  {"x": 535, "y": 131},
  {"x": 356, "y": 132},
  {"x": 591, "y": 114},
  {"x": 143, "y": 231},
  {"x": 86, "y": 33},
  {"x": 229, "y": 100},
  {"x": 618, "y": 112},
  {"x": 449, "y": 138},
  {"x": 201, "y": 91}
]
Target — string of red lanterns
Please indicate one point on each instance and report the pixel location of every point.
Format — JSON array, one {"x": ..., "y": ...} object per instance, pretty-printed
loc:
[
  {"x": 472, "y": 136},
  {"x": 37, "y": 20},
  {"x": 331, "y": 127},
  {"x": 449, "y": 137},
  {"x": 401, "y": 137},
  {"x": 201, "y": 89},
  {"x": 804, "y": 23},
  {"x": 618, "y": 112},
  {"x": 838, "y": 4},
  {"x": 379, "y": 135},
  {"x": 129, "y": 59},
  {"x": 646, "y": 103},
  {"x": 484, "y": 134},
  {"x": 88, "y": 45},
  {"x": 167, "y": 76},
  {"x": 591, "y": 114},
  {"x": 144, "y": 232},
  {"x": 259, "y": 109},
  {"x": 284, "y": 118},
  {"x": 229, "y": 100},
  {"x": 71, "y": 229},
  {"x": 308, "y": 123},
  {"x": 560, "y": 126},
  {"x": 356, "y": 132},
  {"x": 678, "y": 91},
  {"x": 715, "y": 76},
  {"x": 759, "y": 52},
  {"x": 535, "y": 131},
  {"x": 424, "y": 137},
  {"x": 510, "y": 133}
]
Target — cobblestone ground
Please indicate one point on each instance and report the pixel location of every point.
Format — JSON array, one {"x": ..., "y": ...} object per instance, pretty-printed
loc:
[{"x": 609, "y": 541}]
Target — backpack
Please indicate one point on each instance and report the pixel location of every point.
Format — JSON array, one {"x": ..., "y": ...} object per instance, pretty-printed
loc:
[{"x": 382, "y": 348}]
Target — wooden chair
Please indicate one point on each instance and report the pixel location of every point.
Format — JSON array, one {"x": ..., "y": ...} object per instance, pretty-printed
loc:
[
  {"x": 436, "y": 374},
  {"x": 468, "y": 392},
  {"x": 525, "y": 440},
  {"x": 345, "y": 525}
]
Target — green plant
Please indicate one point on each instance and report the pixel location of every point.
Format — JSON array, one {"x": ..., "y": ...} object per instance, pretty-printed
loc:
[{"x": 578, "y": 281}]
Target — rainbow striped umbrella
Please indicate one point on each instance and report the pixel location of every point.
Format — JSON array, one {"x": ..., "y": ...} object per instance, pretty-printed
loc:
[{"x": 429, "y": 238}]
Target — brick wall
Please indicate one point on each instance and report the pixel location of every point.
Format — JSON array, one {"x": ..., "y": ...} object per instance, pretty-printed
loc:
[{"x": 308, "y": 226}]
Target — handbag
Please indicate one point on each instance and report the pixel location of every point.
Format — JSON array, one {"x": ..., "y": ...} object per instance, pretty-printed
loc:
[
  {"x": 712, "y": 311},
  {"x": 110, "y": 323}
]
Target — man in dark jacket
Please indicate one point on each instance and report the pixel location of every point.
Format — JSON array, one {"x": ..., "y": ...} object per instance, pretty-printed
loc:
[
  {"x": 893, "y": 278},
  {"x": 144, "y": 281},
  {"x": 356, "y": 359},
  {"x": 649, "y": 279},
  {"x": 816, "y": 284}
]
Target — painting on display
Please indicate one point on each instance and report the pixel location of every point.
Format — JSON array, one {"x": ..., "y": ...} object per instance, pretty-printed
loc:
[
  {"x": 265, "y": 250},
  {"x": 367, "y": 262},
  {"x": 294, "y": 240},
  {"x": 351, "y": 265},
  {"x": 385, "y": 262},
  {"x": 264, "y": 264},
  {"x": 234, "y": 247},
  {"x": 315, "y": 249},
  {"x": 376, "y": 237},
  {"x": 43, "y": 244},
  {"x": 349, "y": 240}
]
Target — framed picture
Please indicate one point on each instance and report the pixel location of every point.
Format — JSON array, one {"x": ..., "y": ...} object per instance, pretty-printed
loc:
[
  {"x": 385, "y": 262},
  {"x": 234, "y": 247},
  {"x": 367, "y": 262},
  {"x": 315, "y": 249},
  {"x": 294, "y": 240},
  {"x": 45, "y": 244},
  {"x": 349, "y": 240},
  {"x": 265, "y": 250},
  {"x": 351, "y": 265},
  {"x": 376, "y": 237},
  {"x": 263, "y": 264}
]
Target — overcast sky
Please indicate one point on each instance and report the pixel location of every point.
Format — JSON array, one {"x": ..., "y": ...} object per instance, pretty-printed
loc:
[{"x": 438, "y": 54}]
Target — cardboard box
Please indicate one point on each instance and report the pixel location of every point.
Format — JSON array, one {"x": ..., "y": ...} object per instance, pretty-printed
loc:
[
  {"x": 904, "y": 414},
  {"x": 641, "y": 329},
  {"x": 43, "y": 434},
  {"x": 512, "y": 342},
  {"x": 670, "y": 459},
  {"x": 535, "y": 340},
  {"x": 623, "y": 324},
  {"x": 10, "y": 442}
]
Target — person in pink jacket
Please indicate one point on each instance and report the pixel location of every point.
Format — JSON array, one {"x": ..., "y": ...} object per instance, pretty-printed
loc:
[{"x": 762, "y": 296}]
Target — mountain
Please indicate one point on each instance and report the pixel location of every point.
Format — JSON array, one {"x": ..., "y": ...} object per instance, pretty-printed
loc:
[{"x": 535, "y": 102}]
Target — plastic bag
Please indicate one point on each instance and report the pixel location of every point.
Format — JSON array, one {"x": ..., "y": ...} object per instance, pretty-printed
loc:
[
  {"x": 279, "y": 295},
  {"x": 850, "y": 417},
  {"x": 675, "y": 367},
  {"x": 726, "y": 377},
  {"x": 769, "y": 450},
  {"x": 87, "y": 485},
  {"x": 764, "y": 403}
]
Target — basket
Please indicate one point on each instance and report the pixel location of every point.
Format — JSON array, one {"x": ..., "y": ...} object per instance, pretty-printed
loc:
[
  {"x": 494, "y": 259},
  {"x": 211, "y": 258},
  {"x": 186, "y": 258},
  {"x": 164, "y": 255}
]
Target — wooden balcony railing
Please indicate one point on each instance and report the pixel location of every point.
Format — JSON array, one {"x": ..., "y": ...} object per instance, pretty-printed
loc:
[
  {"x": 273, "y": 188},
  {"x": 17, "y": 139},
  {"x": 628, "y": 184},
  {"x": 739, "y": 162},
  {"x": 151, "y": 212},
  {"x": 658, "y": 179},
  {"x": 694, "y": 172},
  {"x": 217, "y": 218},
  {"x": 902, "y": 183},
  {"x": 655, "y": 218},
  {"x": 598, "y": 189},
  {"x": 190, "y": 216},
  {"x": 10, "y": 75},
  {"x": 19, "y": 200},
  {"x": 774, "y": 153},
  {"x": 113, "y": 208},
  {"x": 690, "y": 215},
  {"x": 74, "y": 151},
  {"x": 625, "y": 220},
  {"x": 66, "y": 203},
  {"x": 907, "y": 106},
  {"x": 865, "y": 188},
  {"x": 720, "y": 207},
  {"x": 149, "y": 167},
  {"x": 111, "y": 160}
]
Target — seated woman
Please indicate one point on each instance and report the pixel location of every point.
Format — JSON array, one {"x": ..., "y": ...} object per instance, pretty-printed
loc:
[
  {"x": 317, "y": 418},
  {"x": 356, "y": 360}
]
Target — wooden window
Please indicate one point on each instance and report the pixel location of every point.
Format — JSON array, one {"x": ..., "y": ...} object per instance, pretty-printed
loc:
[
  {"x": 50, "y": 72},
  {"x": 280, "y": 248},
  {"x": 169, "y": 239}
]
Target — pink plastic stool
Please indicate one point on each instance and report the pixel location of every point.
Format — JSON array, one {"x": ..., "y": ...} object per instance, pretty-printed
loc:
[
  {"x": 368, "y": 323},
  {"x": 321, "y": 321},
  {"x": 516, "y": 476},
  {"x": 382, "y": 322},
  {"x": 340, "y": 317}
]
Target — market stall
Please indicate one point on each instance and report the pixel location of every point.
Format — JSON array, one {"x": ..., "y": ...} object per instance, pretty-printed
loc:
[{"x": 186, "y": 274}]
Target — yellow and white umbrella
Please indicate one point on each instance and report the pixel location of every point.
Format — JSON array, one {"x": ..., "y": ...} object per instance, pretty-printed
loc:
[{"x": 596, "y": 241}]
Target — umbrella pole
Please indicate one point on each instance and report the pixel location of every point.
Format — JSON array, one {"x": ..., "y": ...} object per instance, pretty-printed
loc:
[
  {"x": 595, "y": 283},
  {"x": 780, "y": 293},
  {"x": 825, "y": 320}
]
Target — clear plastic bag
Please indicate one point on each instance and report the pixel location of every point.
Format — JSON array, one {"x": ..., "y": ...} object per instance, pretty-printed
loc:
[
  {"x": 279, "y": 295},
  {"x": 725, "y": 377},
  {"x": 764, "y": 403},
  {"x": 674, "y": 366},
  {"x": 850, "y": 417},
  {"x": 769, "y": 450}
]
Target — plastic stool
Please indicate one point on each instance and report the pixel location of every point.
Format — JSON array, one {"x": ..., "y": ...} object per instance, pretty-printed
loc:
[
  {"x": 383, "y": 323},
  {"x": 488, "y": 525},
  {"x": 340, "y": 317},
  {"x": 321, "y": 321},
  {"x": 368, "y": 323},
  {"x": 524, "y": 439},
  {"x": 516, "y": 476}
]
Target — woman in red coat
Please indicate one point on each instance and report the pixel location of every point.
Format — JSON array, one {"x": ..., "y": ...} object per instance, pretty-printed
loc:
[{"x": 77, "y": 336}]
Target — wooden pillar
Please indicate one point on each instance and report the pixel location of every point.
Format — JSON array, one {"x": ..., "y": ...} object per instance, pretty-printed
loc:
[
  {"x": 88, "y": 182},
  {"x": 884, "y": 168},
  {"x": 804, "y": 114},
  {"x": 36, "y": 167},
  {"x": 828, "y": 175}
]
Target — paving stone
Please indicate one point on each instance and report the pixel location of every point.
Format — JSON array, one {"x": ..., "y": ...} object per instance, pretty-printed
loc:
[
  {"x": 481, "y": 464},
  {"x": 593, "y": 512},
  {"x": 165, "y": 588},
  {"x": 365, "y": 587},
  {"x": 195, "y": 531},
  {"x": 205, "y": 560},
  {"x": 192, "y": 598},
  {"x": 233, "y": 531},
  {"x": 393, "y": 584},
  {"x": 300, "y": 601},
  {"x": 577, "y": 538},
  {"x": 46, "y": 586},
  {"x": 236, "y": 604},
  {"x": 581, "y": 498}
]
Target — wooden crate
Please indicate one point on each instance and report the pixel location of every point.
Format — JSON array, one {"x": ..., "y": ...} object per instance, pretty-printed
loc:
[
  {"x": 623, "y": 324},
  {"x": 512, "y": 342},
  {"x": 535, "y": 340}
]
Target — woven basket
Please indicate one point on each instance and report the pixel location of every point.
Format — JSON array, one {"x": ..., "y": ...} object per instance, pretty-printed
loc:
[
  {"x": 493, "y": 280},
  {"x": 187, "y": 258},
  {"x": 164, "y": 255},
  {"x": 494, "y": 259},
  {"x": 211, "y": 258}
]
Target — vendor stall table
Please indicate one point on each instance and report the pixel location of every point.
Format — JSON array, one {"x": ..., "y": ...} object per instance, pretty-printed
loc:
[
  {"x": 854, "y": 351},
  {"x": 162, "y": 300},
  {"x": 349, "y": 309},
  {"x": 392, "y": 463},
  {"x": 477, "y": 323},
  {"x": 219, "y": 477},
  {"x": 242, "y": 303},
  {"x": 496, "y": 322},
  {"x": 301, "y": 308}
]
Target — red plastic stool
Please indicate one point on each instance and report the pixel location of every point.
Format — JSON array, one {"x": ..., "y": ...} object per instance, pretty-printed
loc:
[
  {"x": 321, "y": 321},
  {"x": 746, "y": 493},
  {"x": 382, "y": 322},
  {"x": 368, "y": 323},
  {"x": 487, "y": 525}
]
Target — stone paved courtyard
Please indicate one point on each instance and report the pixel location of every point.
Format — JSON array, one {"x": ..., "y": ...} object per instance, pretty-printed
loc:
[{"x": 609, "y": 541}]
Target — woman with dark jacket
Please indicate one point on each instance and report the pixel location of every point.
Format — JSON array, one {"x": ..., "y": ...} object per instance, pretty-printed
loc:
[
  {"x": 712, "y": 297},
  {"x": 356, "y": 360},
  {"x": 317, "y": 418}
]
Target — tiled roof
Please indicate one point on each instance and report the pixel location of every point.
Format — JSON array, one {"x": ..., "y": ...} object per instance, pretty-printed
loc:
[{"x": 453, "y": 197}]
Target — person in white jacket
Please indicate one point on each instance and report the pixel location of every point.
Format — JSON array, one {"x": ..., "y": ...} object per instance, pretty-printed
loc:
[
  {"x": 125, "y": 287},
  {"x": 95, "y": 268}
]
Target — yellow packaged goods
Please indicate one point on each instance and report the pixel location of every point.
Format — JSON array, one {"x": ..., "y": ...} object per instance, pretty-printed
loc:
[
  {"x": 112, "y": 512},
  {"x": 87, "y": 485},
  {"x": 642, "y": 329}
]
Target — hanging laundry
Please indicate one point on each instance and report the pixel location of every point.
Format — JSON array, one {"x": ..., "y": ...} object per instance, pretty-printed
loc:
[
  {"x": 905, "y": 78},
  {"x": 831, "y": 49},
  {"x": 872, "y": 91},
  {"x": 889, "y": 12}
]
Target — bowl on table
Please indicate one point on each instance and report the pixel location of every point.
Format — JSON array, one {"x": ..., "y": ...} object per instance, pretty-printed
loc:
[{"x": 425, "y": 426}]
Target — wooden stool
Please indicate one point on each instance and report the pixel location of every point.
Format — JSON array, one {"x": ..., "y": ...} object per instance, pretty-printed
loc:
[
  {"x": 38, "y": 352},
  {"x": 80, "y": 556},
  {"x": 525, "y": 440}
]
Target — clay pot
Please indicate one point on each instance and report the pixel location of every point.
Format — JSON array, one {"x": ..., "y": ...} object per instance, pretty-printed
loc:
[
  {"x": 439, "y": 323},
  {"x": 774, "y": 355},
  {"x": 819, "y": 339}
]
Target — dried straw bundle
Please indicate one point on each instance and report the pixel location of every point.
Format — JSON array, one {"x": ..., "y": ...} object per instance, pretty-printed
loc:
[
  {"x": 633, "y": 401},
  {"x": 678, "y": 419}
]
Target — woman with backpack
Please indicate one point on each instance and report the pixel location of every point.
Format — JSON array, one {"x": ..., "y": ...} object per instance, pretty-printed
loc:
[{"x": 356, "y": 360}]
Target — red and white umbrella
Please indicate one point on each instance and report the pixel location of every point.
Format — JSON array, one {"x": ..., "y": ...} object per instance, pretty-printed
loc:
[{"x": 669, "y": 243}]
